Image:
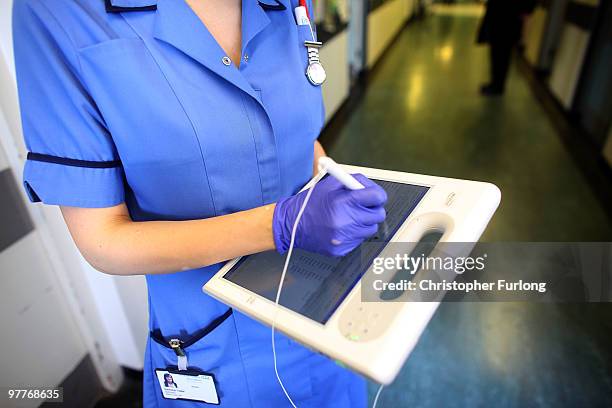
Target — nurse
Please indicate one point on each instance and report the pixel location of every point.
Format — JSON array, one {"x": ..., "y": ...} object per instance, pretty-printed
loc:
[{"x": 175, "y": 135}]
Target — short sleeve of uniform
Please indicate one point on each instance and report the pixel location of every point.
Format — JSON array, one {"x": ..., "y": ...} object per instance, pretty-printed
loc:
[{"x": 72, "y": 159}]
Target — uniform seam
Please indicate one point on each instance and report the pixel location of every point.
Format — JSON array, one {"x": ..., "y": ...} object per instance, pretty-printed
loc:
[
  {"x": 246, "y": 377},
  {"x": 152, "y": 370},
  {"x": 193, "y": 127},
  {"x": 246, "y": 112},
  {"x": 67, "y": 34}
]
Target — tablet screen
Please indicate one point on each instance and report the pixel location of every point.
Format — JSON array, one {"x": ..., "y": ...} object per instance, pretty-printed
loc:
[{"x": 315, "y": 285}]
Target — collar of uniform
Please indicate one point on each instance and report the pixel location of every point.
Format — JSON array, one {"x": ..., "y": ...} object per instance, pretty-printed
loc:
[
  {"x": 271, "y": 5},
  {"x": 254, "y": 20},
  {"x": 118, "y": 6},
  {"x": 177, "y": 25}
]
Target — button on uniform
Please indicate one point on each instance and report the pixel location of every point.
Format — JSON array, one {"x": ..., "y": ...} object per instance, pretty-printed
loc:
[{"x": 226, "y": 61}]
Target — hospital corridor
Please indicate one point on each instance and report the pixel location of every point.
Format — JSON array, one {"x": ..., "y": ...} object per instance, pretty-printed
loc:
[
  {"x": 421, "y": 112},
  {"x": 169, "y": 239}
]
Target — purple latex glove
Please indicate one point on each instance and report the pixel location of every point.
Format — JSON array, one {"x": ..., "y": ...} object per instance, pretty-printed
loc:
[{"x": 336, "y": 220}]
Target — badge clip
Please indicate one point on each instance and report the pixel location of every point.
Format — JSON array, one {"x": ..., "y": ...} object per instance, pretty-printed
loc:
[{"x": 175, "y": 344}]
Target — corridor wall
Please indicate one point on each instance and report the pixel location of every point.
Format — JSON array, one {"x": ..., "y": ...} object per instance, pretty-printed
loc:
[
  {"x": 572, "y": 49},
  {"x": 334, "y": 55},
  {"x": 384, "y": 23}
]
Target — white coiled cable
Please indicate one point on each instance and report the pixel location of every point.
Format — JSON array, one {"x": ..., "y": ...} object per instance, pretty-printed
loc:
[{"x": 317, "y": 178}]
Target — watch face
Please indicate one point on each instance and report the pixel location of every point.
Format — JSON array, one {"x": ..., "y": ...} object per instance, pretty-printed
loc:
[{"x": 316, "y": 73}]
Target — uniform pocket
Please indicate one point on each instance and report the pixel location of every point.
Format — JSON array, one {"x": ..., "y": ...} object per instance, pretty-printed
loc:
[
  {"x": 136, "y": 100},
  {"x": 212, "y": 350},
  {"x": 209, "y": 337},
  {"x": 304, "y": 34}
]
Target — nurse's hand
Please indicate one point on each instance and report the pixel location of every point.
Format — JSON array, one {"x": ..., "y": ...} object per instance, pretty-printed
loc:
[{"x": 336, "y": 220}]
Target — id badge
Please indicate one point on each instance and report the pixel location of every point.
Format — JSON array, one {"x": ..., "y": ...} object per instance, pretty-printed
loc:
[{"x": 187, "y": 385}]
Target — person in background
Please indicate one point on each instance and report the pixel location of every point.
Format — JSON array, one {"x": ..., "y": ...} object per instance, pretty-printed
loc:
[{"x": 501, "y": 28}]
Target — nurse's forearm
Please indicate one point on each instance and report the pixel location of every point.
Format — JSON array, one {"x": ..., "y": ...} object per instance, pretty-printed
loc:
[
  {"x": 113, "y": 243},
  {"x": 318, "y": 153}
]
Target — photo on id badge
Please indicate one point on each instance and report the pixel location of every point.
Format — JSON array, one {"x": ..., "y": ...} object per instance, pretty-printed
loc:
[{"x": 187, "y": 385}]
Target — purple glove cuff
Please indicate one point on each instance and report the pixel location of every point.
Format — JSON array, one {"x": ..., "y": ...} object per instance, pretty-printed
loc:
[{"x": 279, "y": 233}]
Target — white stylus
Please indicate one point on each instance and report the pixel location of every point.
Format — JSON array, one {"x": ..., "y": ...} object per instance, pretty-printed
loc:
[{"x": 330, "y": 166}]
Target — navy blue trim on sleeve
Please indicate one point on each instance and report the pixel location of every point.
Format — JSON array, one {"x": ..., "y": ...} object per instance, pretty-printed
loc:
[{"x": 73, "y": 162}]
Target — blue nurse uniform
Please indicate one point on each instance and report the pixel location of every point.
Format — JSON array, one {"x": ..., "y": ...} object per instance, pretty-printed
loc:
[{"x": 134, "y": 101}]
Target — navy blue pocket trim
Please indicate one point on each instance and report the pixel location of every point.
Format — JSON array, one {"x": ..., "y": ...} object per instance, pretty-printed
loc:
[
  {"x": 159, "y": 338},
  {"x": 73, "y": 162}
]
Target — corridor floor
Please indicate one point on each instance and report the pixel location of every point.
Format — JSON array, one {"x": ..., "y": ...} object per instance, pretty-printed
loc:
[{"x": 421, "y": 112}]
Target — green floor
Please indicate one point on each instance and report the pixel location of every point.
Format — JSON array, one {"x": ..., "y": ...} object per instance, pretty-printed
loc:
[{"x": 422, "y": 113}]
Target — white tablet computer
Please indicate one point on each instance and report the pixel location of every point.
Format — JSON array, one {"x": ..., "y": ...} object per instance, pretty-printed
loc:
[{"x": 321, "y": 304}]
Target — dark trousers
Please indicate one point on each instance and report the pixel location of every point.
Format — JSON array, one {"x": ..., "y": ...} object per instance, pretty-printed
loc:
[{"x": 500, "y": 55}]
